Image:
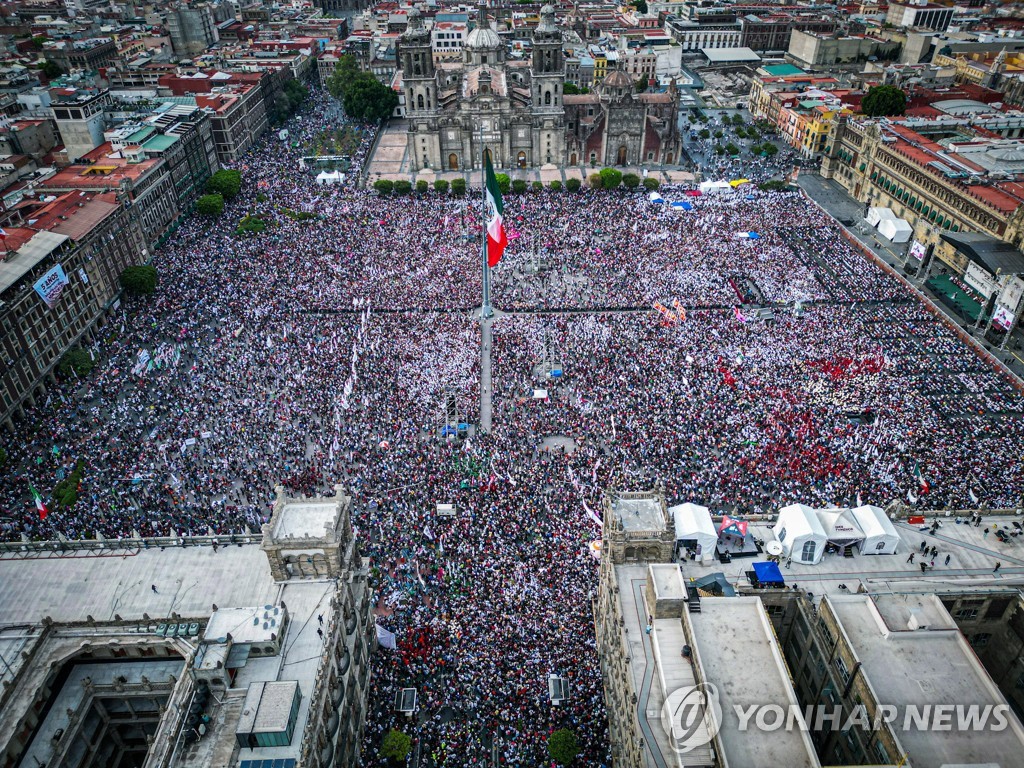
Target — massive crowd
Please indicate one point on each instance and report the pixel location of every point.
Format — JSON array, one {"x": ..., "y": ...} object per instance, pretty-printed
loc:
[{"x": 331, "y": 351}]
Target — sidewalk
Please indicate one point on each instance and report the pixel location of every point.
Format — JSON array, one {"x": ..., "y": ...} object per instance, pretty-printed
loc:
[{"x": 833, "y": 198}]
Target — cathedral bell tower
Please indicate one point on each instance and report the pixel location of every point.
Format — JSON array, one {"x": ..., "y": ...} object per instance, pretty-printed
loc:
[
  {"x": 418, "y": 67},
  {"x": 548, "y": 71}
]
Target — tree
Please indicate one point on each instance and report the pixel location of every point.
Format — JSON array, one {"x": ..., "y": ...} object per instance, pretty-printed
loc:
[
  {"x": 651, "y": 184},
  {"x": 37, "y": 42},
  {"x": 75, "y": 360},
  {"x": 769, "y": 149},
  {"x": 719, "y": 149},
  {"x": 571, "y": 90},
  {"x": 595, "y": 181},
  {"x": 884, "y": 101},
  {"x": 740, "y": 133},
  {"x": 732, "y": 149},
  {"x": 225, "y": 183},
  {"x": 395, "y": 747},
  {"x": 718, "y": 134},
  {"x": 441, "y": 185},
  {"x": 367, "y": 98},
  {"x": 537, "y": 186},
  {"x": 140, "y": 280},
  {"x": 210, "y": 205},
  {"x": 631, "y": 181},
  {"x": 504, "y": 182},
  {"x": 422, "y": 186},
  {"x": 555, "y": 185},
  {"x": 640, "y": 85},
  {"x": 610, "y": 178},
  {"x": 772, "y": 185},
  {"x": 737, "y": 119},
  {"x": 50, "y": 70},
  {"x": 704, "y": 133},
  {"x": 640, "y": 5},
  {"x": 344, "y": 73},
  {"x": 519, "y": 186},
  {"x": 563, "y": 746},
  {"x": 65, "y": 492},
  {"x": 403, "y": 187},
  {"x": 573, "y": 184},
  {"x": 458, "y": 186},
  {"x": 384, "y": 186}
]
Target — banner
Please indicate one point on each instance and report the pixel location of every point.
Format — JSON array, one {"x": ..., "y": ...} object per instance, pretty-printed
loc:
[
  {"x": 1002, "y": 318},
  {"x": 51, "y": 285},
  {"x": 917, "y": 250}
]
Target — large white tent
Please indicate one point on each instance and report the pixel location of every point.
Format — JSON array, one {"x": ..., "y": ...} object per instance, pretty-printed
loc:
[
  {"x": 840, "y": 526},
  {"x": 880, "y": 537},
  {"x": 801, "y": 534},
  {"x": 695, "y": 529}
]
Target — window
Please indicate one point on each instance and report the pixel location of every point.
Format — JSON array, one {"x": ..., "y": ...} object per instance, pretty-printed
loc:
[
  {"x": 809, "y": 550},
  {"x": 882, "y": 753},
  {"x": 880, "y": 545},
  {"x": 774, "y": 611},
  {"x": 844, "y": 673},
  {"x": 781, "y": 535}
]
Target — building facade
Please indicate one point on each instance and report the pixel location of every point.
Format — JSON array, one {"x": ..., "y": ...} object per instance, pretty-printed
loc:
[{"x": 516, "y": 109}]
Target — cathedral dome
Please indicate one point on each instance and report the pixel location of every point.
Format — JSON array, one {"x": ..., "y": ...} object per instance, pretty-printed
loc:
[
  {"x": 483, "y": 38},
  {"x": 617, "y": 79}
]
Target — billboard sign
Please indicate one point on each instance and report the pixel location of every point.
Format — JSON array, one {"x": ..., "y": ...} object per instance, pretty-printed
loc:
[
  {"x": 1002, "y": 318},
  {"x": 918, "y": 250},
  {"x": 51, "y": 285}
]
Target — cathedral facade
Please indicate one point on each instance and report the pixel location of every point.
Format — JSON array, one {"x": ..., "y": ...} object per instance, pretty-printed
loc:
[{"x": 517, "y": 111}]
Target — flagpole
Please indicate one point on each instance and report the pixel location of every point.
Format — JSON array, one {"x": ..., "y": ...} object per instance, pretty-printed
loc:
[{"x": 485, "y": 307}]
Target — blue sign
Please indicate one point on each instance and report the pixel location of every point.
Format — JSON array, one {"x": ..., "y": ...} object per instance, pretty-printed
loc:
[{"x": 51, "y": 285}]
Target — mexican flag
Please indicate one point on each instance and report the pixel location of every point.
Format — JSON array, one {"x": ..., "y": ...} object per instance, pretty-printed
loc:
[
  {"x": 496, "y": 237},
  {"x": 921, "y": 479},
  {"x": 39, "y": 503}
]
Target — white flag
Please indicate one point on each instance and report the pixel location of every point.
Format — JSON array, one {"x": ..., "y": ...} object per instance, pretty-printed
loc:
[{"x": 385, "y": 638}]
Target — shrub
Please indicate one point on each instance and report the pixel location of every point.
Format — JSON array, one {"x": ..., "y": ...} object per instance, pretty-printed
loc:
[
  {"x": 556, "y": 186},
  {"x": 563, "y": 747},
  {"x": 76, "y": 360},
  {"x": 458, "y": 186},
  {"x": 537, "y": 186},
  {"x": 573, "y": 184},
  {"x": 250, "y": 225},
  {"x": 595, "y": 181},
  {"x": 631, "y": 181},
  {"x": 519, "y": 186},
  {"x": 704, "y": 133},
  {"x": 732, "y": 149},
  {"x": 441, "y": 185},
  {"x": 403, "y": 187},
  {"x": 225, "y": 183},
  {"x": 769, "y": 149},
  {"x": 651, "y": 184},
  {"x": 772, "y": 185},
  {"x": 140, "y": 280},
  {"x": 610, "y": 178},
  {"x": 719, "y": 149},
  {"x": 210, "y": 205},
  {"x": 504, "y": 182},
  {"x": 718, "y": 134},
  {"x": 422, "y": 186},
  {"x": 384, "y": 186}
]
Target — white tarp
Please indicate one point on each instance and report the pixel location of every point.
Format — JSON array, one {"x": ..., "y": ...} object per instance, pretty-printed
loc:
[
  {"x": 330, "y": 177},
  {"x": 800, "y": 534},
  {"x": 880, "y": 537},
  {"x": 840, "y": 526},
  {"x": 897, "y": 230},
  {"x": 878, "y": 214},
  {"x": 693, "y": 523}
]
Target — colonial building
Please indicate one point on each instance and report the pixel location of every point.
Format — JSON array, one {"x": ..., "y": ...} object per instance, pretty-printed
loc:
[{"x": 516, "y": 110}]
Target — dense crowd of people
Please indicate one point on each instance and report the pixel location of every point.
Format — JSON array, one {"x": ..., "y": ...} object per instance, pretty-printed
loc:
[{"x": 334, "y": 350}]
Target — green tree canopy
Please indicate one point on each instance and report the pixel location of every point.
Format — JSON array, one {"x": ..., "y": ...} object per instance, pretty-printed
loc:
[
  {"x": 51, "y": 70},
  {"x": 458, "y": 186},
  {"x": 640, "y": 5},
  {"x": 772, "y": 185},
  {"x": 519, "y": 186},
  {"x": 422, "y": 186},
  {"x": 595, "y": 181},
  {"x": 573, "y": 184},
  {"x": 441, "y": 185},
  {"x": 884, "y": 101},
  {"x": 563, "y": 746},
  {"x": 651, "y": 184},
  {"x": 384, "y": 186},
  {"x": 403, "y": 187},
  {"x": 75, "y": 360},
  {"x": 250, "y": 225},
  {"x": 556, "y": 185},
  {"x": 610, "y": 178},
  {"x": 571, "y": 90},
  {"x": 631, "y": 181},
  {"x": 139, "y": 280},
  {"x": 210, "y": 205},
  {"x": 504, "y": 182},
  {"x": 640, "y": 85},
  {"x": 344, "y": 73},
  {"x": 226, "y": 183},
  {"x": 367, "y": 98},
  {"x": 395, "y": 747}
]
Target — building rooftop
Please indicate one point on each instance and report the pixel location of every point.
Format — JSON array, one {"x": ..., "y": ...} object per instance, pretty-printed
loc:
[
  {"x": 304, "y": 520},
  {"x": 15, "y": 266},
  {"x": 924, "y": 667},
  {"x": 642, "y": 514},
  {"x": 739, "y": 653}
]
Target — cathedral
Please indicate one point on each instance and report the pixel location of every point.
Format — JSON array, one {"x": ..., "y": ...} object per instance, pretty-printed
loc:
[{"x": 517, "y": 111}]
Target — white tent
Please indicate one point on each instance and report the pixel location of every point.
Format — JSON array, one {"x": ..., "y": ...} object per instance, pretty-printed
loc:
[
  {"x": 840, "y": 526},
  {"x": 897, "y": 230},
  {"x": 880, "y": 537},
  {"x": 800, "y": 534},
  {"x": 330, "y": 177},
  {"x": 715, "y": 187},
  {"x": 695, "y": 528},
  {"x": 878, "y": 214}
]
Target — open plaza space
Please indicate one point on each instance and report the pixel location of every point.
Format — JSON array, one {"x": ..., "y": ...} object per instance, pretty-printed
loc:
[{"x": 339, "y": 345}]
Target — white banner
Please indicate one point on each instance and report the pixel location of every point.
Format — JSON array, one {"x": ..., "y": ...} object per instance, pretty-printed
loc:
[{"x": 385, "y": 638}]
